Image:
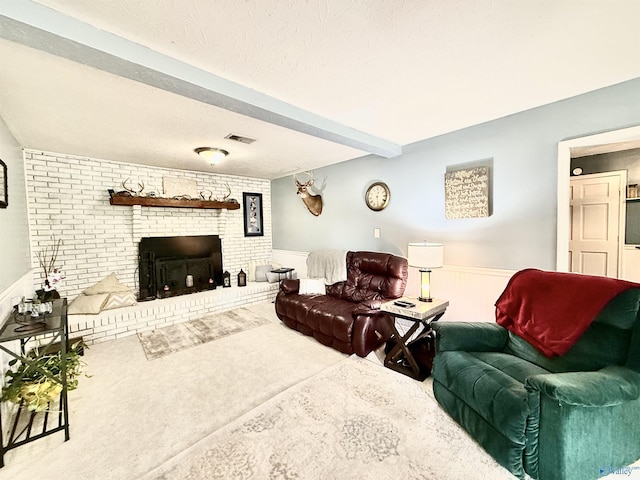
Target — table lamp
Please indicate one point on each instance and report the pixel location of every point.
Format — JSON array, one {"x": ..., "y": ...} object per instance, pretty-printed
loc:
[{"x": 425, "y": 256}]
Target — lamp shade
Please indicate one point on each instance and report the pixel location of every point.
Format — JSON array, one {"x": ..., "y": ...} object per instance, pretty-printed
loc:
[{"x": 425, "y": 255}]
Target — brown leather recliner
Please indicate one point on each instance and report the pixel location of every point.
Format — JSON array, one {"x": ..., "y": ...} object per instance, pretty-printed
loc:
[{"x": 348, "y": 318}]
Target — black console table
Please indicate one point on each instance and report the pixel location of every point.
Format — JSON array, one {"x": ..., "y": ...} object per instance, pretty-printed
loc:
[
  {"x": 282, "y": 271},
  {"x": 26, "y": 426}
]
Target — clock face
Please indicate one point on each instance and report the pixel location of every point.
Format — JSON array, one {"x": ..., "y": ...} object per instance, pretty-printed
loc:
[{"x": 377, "y": 196}]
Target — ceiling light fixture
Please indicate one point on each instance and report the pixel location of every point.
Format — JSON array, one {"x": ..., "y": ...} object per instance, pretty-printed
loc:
[{"x": 211, "y": 155}]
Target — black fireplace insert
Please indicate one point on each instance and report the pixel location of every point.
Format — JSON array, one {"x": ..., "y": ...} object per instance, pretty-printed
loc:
[{"x": 170, "y": 266}]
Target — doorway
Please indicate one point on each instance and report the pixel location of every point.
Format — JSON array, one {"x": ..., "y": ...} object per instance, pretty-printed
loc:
[{"x": 628, "y": 137}]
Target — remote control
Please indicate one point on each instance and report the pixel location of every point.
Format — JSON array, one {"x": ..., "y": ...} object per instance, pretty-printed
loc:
[{"x": 404, "y": 304}]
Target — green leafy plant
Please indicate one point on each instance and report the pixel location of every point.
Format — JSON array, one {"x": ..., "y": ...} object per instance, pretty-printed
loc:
[{"x": 37, "y": 381}]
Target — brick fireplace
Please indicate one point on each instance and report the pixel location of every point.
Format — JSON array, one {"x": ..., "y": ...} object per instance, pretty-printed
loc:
[{"x": 68, "y": 198}]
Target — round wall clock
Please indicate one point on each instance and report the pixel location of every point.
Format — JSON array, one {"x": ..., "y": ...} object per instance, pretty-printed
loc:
[{"x": 377, "y": 196}]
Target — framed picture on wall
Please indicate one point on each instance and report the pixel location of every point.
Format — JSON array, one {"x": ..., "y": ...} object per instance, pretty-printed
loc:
[
  {"x": 253, "y": 221},
  {"x": 467, "y": 193},
  {"x": 4, "y": 200}
]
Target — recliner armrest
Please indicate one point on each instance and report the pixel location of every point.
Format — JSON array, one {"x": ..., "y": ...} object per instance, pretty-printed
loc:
[
  {"x": 371, "y": 328},
  {"x": 368, "y": 307},
  {"x": 607, "y": 387},
  {"x": 469, "y": 336},
  {"x": 289, "y": 285}
]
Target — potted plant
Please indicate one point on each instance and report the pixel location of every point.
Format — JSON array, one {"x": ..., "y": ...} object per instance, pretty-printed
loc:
[
  {"x": 37, "y": 381},
  {"x": 52, "y": 275}
]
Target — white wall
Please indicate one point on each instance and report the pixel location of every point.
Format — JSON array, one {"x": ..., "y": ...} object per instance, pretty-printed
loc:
[{"x": 68, "y": 199}]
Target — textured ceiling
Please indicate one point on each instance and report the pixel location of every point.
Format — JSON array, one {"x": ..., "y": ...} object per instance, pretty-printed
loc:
[{"x": 315, "y": 82}]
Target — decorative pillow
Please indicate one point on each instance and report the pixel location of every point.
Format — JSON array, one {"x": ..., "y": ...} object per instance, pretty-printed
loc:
[
  {"x": 251, "y": 271},
  {"x": 261, "y": 272},
  {"x": 108, "y": 284},
  {"x": 120, "y": 299},
  {"x": 87, "y": 304},
  {"x": 273, "y": 277},
  {"x": 312, "y": 286}
]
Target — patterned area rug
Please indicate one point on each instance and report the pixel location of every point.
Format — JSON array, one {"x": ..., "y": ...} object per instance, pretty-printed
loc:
[
  {"x": 165, "y": 341},
  {"x": 353, "y": 420}
]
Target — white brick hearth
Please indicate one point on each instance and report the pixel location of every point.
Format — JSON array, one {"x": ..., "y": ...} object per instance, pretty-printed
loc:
[
  {"x": 68, "y": 199},
  {"x": 122, "y": 322}
]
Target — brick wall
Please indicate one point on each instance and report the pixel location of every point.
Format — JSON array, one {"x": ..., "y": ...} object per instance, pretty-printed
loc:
[{"x": 68, "y": 199}]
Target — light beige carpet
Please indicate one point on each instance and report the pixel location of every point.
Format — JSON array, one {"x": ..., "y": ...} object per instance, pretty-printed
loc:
[
  {"x": 165, "y": 341},
  {"x": 354, "y": 420},
  {"x": 132, "y": 414}
]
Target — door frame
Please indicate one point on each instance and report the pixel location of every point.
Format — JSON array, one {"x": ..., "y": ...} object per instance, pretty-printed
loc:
[{"x": 564, "y": 166}]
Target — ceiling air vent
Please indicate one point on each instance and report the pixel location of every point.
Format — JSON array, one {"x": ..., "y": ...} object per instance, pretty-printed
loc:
[{"x": 240, "y": 138}]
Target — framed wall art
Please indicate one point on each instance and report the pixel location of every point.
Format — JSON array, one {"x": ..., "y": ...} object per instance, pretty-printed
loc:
[
  {"x": 467, "y": 193},
  {"x": 4, "y": 189},
  {"x": 253, "y": 221}
]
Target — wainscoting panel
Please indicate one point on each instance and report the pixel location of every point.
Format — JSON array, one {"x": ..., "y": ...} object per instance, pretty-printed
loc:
[
  {"x": 293, "y": 259},
  {"x": 471, "y": 291},
  {"x": 23, "y": 287}
]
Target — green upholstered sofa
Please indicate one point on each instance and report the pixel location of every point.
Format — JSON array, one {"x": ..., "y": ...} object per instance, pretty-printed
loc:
[{"x": 570, "y": 416}]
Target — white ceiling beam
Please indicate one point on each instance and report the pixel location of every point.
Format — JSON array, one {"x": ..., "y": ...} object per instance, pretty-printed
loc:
[{"x": 39, "y": 27}]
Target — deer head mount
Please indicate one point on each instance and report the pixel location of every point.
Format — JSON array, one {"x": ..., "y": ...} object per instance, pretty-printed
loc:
[{"x": 312, "y": 202}]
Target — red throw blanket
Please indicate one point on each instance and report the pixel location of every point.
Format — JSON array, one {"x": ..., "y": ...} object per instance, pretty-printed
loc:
[{"x": 551, "y": 310}]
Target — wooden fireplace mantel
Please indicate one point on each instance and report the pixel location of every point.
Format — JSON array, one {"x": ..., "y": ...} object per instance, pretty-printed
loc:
[{"x": 171, "y": 202}]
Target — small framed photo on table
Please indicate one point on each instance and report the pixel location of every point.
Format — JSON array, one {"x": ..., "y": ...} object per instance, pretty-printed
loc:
[{"x": 253, "y": 221}]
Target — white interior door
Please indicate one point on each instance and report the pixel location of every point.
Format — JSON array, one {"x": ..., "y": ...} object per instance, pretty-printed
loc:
[{"x": 595, "y": 223}]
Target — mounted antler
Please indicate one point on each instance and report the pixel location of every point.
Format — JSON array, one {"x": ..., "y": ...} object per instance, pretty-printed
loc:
[
  {"x": 130, "y": 190},
  {"x": 313, "y": 202},
  {"x": 224, "y": 198}
]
